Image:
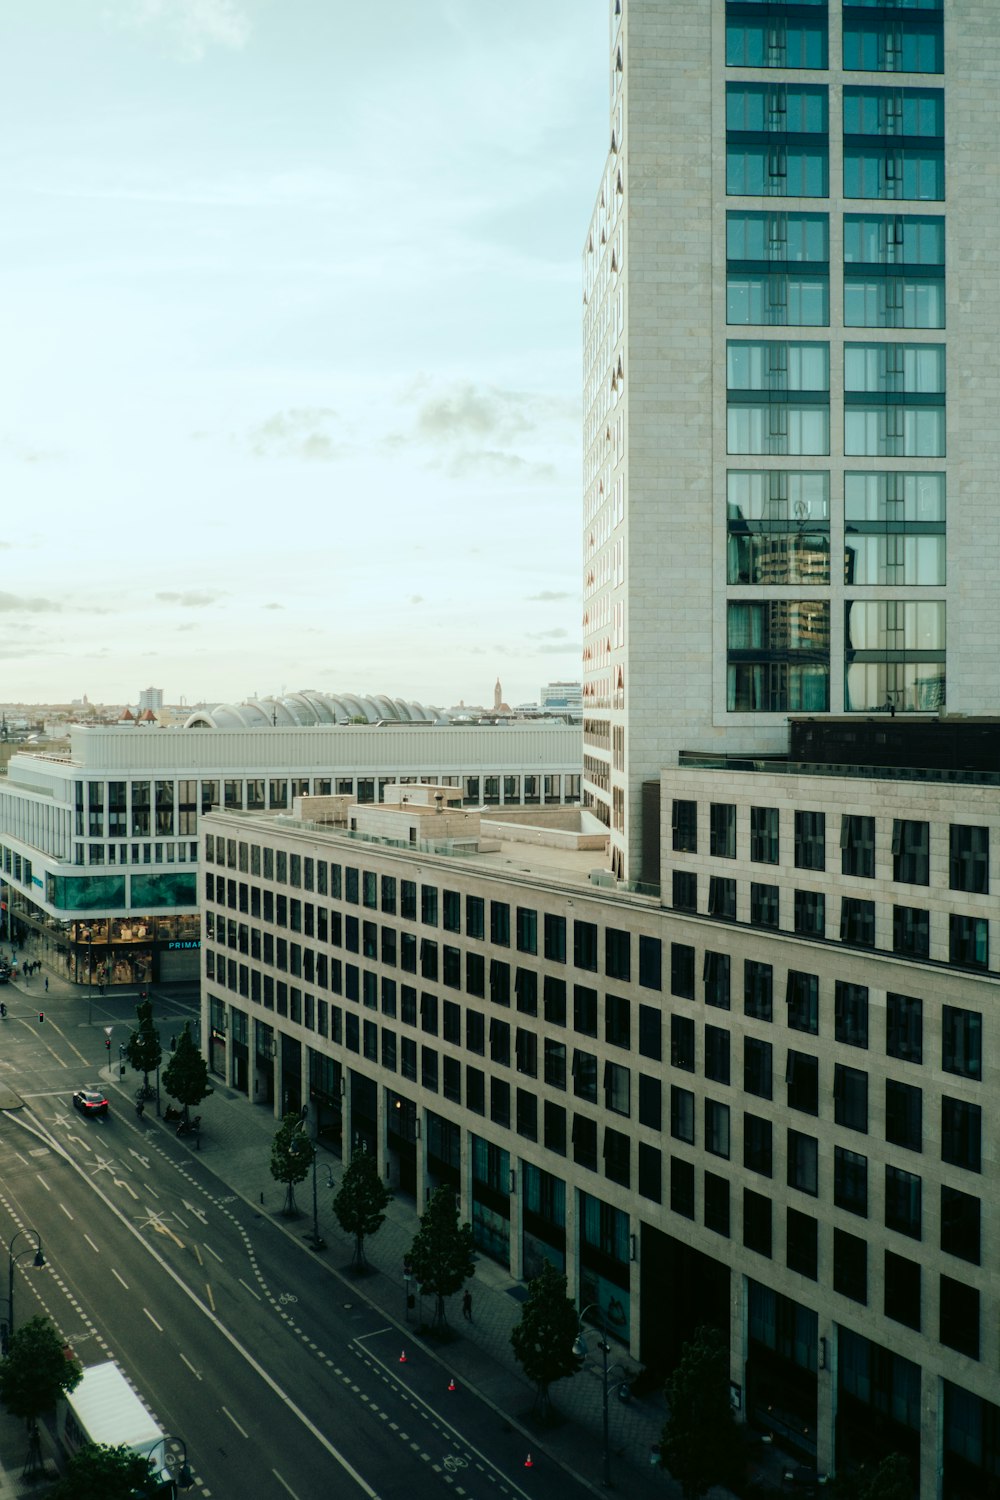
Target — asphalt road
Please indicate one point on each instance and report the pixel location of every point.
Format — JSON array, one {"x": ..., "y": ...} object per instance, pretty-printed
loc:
[{"x": 272, "y": 1367}]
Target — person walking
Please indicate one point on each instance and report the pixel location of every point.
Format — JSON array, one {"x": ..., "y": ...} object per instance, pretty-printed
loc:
[
  {"x": 46, "y": 984},
  {"x": 467, "y": 1305}
]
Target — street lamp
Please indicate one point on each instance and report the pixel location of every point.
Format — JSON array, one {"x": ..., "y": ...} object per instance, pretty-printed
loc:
[
  {"x": 12, "y": 1260},
  {"x": 580, "y": 1350},
  {"x": 294, "y": 1146},
  {"x": 179, "y": 1472}
]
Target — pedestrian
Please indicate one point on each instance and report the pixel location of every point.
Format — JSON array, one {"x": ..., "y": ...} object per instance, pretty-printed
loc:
[
  {"x": 467, "y": 1305},
  {"x": 140, "y": 1109},
  {"x": 46, "y": 984}
]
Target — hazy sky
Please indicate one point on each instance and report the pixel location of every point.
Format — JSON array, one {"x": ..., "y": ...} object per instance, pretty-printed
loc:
[{"x": 291, "y": 326}]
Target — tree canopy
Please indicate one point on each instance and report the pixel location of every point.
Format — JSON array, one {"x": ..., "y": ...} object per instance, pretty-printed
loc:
[
  {"x": 185, "y": 1078},
  {"x": 143, "y": 1050},
  {"x": 701, "y": 1443},
  {"x": 543, "y": 1339},
  {"x": 361, "y": 1202},
  {"x": 36, "y": 1371},
  {"x": 292, "y": 1155},
  {"x": 102, "y": 1472},
  {"x": 442, "y": 1251}
]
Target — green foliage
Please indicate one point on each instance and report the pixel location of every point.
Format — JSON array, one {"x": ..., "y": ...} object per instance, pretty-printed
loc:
[
  {"x": 143, "y": 1050},
  {"x": 543, "y": 1339},
  {"x": 701, "y": 1443},
  {"x": 35, "y": 1371},
  {"x": 101, "y": 1472},
  {"x": 185, "y": 1078},
  {"x": 892, "y": 1479},
  {"x": 292, "y": 1155},
  {"x": 442, "y": 1251},
  {"x": 361, "y": 1202}
]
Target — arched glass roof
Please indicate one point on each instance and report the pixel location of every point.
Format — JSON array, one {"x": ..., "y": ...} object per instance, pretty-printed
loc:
[{"x": 310, "y": 707}]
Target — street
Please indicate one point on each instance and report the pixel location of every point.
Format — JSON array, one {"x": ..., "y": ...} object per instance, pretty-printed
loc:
[{"x": 275, "y": 1372}]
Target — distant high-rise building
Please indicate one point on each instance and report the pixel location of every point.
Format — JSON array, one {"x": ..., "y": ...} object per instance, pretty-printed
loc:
[
  {"x": 151, "y": 698},
  {"x": 561, "y": 697}
]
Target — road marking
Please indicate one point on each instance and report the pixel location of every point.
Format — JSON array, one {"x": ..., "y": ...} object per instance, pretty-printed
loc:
[
  {"x": 221, "y": 1328},
  {"x": 91, "y": 1244},
  {"x": 67, "y": 1213},
  {"x": 142, "y": 1160},
  {"x": 239, "y": 1429},
  {"x": 249, "y": 1288},
  {"x": 211, "y": 1299},
  {"x": 284, "y": 1482},
  {"x": 194, "y": 1372},
  {"x": 120, "y": 1182},
  {"x": 42, "y": 1180},
  {"x": 461, "y": 1442},
  {"x": 361, "y": 1337},
  {"x": 198, "y": 1212},
  {"x": 119, "y": 1277},
  {"x": 213, "y": 1252},
  {"x": 197, "y": 1253},
  {"x": 155, "y": 1324}
]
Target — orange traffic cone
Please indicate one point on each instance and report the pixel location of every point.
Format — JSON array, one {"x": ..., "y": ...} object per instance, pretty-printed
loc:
[
  {"x": 402, "y": 1358},
  {"x": 527, "y": 1462},
  {"x": 451, "y": 1384}
]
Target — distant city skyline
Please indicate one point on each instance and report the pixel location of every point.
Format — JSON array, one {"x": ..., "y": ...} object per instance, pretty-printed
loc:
[{"x": 292, "y": 352}]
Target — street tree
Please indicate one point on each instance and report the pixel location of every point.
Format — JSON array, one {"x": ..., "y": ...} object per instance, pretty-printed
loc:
[
  {"x": 701, "y": 1443},
  {"x": 892, "y": 1479},
  {"x": 185, "y": 1078},
  {"x": 99, "y": 1471},
  {"x": 292, "y": 1155},
  {"x": 442, "y": 1252},
  {"x": 142, "y": 1050},
  {"x": 34, "y": 1373},
  {"x": 543, "y": 1339},
  {"x": 361, "y": 1202}
]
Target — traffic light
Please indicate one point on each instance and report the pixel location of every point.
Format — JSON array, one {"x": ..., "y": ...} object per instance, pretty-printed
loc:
[
  {"x": 41, "y": 1015},
  {"x": 107, "y": 1043}
]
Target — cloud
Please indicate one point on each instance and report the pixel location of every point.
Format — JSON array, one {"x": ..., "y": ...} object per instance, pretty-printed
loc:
[
  {"x": 416, "y": 598},
  {"x": 190, "y": 598},
  {"x": 491, "y": 463},
  {"x": 549, "y": 596},
  {"x": 563, "y": 647},
  {"x": 17, "y": 604},
  {"x": 558, "y": 634},
  {"x": 302, "y": 432},
  {"x": 274, "y": 606},
  {"x": 193, "y": 26}
]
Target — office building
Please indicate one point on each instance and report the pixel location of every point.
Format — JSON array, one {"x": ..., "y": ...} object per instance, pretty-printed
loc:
[
  {"x": 99, "y": 848},
  {"x": 792, "y": 308}
]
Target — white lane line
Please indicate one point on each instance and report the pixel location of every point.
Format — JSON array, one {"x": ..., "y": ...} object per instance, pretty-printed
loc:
[
  {"x": 286, "y": 1485},
  {"x": 120, "y": 1278},
  {"x": 214, "y": 1252},
  {"x": 239, "y": 1429},
  {"x": 249, "y": 1288},
  {"x": 42, "y": 1180},
  {"x": 190, "y": 1366},
  {"x": 93, "y": 1247},
  {"x": 361, "y": 1338},
  {"x": 67, "y": 1213},
  {"x": 155, "y": 1324}
]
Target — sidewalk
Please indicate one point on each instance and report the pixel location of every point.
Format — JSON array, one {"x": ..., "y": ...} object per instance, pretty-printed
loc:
[{"x": 236, "y": 1145}]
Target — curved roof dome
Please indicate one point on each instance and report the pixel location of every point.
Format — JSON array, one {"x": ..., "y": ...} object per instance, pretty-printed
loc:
[{"x": 308, "y": 708}]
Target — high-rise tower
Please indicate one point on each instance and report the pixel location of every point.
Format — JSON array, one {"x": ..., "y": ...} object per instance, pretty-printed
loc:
[{"x": 792, "y": 313}]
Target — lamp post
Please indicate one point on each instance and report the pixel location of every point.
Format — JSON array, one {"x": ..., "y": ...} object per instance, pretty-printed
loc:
[
  {"x": 12, "y": 1260},
  {"x": 318, "y": 1242},
  {"x": 580, "y": 1350},
  {"x": 180, "y": 1473}
]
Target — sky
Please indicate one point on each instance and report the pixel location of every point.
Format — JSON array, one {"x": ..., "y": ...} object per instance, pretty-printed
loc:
[{"x": 290, "y": 345}]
